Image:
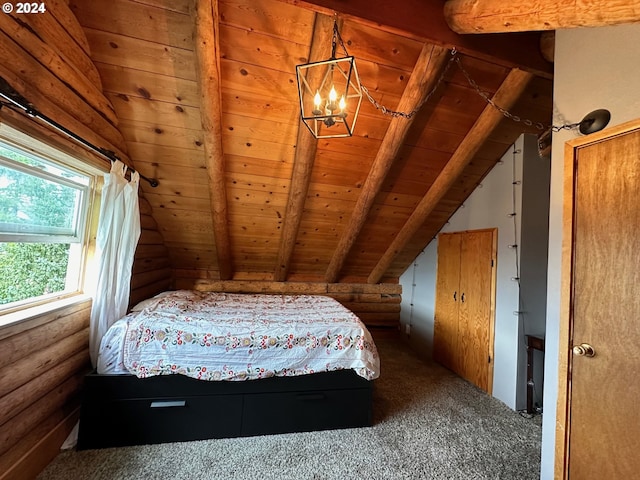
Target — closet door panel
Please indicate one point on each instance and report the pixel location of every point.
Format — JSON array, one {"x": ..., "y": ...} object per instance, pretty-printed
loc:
[
  {"x": 445, "y": 334},
  {"x": 475, "y": 309}
]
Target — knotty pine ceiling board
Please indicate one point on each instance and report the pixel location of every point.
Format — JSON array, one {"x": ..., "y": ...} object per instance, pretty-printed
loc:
[
  {"x": 126, "y": 17},
  {"x": 258, "y": 79},
  {"x": 247, "y": 147},
  {"x": 199, "y": 258},
  {"x": 136, "y": 83},
  {"x": 248, "y": 104},
  {"x": 178, "y": 6},
  {"x": 237, "y": 164},
  {"x": 125, "y": 51},
  {"x": 256, "y": 48},
  {"x": 374, "y": 45},
  {"x": 158, "y": 155},
  {"x": 414, "y": 171},
  {"x": 274, "y": 18},
  {"x": 400, "y": 200},
  {"x": 146, "y": 110}
]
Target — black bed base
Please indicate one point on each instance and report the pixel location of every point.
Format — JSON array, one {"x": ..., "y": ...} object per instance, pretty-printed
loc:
[{"x": 120, "y": 410}]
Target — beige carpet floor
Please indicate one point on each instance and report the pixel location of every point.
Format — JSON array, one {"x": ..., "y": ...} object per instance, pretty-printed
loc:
[{"x": 429, "y": 424}]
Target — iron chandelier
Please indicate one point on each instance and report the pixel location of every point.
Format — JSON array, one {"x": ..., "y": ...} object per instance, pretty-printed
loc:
[{"x": 330, "y": 93}]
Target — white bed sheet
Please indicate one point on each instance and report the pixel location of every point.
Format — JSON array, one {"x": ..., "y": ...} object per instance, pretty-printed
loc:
[{"x": 222, "y": 336}]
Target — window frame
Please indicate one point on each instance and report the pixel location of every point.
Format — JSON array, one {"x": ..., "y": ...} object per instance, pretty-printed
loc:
[
  {"x": 86, "y": 224},
  {"x": 73, "y": 235}
]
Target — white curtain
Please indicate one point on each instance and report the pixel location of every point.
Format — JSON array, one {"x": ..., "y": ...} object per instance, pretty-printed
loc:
[{"x": 118, "y": 234}]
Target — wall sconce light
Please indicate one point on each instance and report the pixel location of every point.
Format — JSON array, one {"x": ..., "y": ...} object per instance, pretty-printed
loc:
[
  {"x": 591, "y": 123},
  {"x": 594, "y": 121},
  {"x": 330, "y": 93}
]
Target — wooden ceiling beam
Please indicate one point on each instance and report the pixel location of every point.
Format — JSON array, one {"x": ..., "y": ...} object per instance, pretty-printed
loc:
[
  {"x": 496, "y": 16},
  {"x": 306, "y": 147},
  {"x": 208, "y": 69},
  {"x": 424, "y": 78},
  {"x": 506, "y": 96},
  {"x": 424, "y": 20}
]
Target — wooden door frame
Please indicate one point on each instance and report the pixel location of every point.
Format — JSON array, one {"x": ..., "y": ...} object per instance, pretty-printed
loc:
[{"x": 561, "y": 466}]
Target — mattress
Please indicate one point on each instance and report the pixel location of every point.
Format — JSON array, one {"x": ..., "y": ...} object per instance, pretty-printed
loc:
[{"x": 223, "y": 336}]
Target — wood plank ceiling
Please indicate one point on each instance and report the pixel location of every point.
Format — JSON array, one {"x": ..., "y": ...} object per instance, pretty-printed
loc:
[{"x": 207, "y": 102}]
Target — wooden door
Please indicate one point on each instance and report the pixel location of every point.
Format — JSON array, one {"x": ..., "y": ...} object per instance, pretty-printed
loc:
[
  {"x": 599, "y": 413},
  {"x": 464, "y": 311},
  {"x": 475, "y": 322},
  {"x": 445, "y": 330}
]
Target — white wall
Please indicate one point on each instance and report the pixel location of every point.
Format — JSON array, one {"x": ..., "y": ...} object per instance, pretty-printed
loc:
[
  {"x": 594, "y": 68},
  {"x": 487, "y": 207}
]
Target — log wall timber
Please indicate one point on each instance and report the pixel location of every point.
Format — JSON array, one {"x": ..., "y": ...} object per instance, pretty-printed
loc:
[
  {"x": 41, "y": 369},
  {"x": 46, "y": 59},
  {"x": 425, "y": 21},
  {"x": 377, "y": 305},
  {"x": 473, "y": 16},
  {"x": 208, "y": 65}
]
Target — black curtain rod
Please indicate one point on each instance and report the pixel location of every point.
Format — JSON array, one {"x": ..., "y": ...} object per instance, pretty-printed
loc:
[{"x": 14, "y": 99}]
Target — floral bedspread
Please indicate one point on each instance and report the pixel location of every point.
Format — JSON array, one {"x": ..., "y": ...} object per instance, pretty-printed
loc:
[{"x": 223, "y": 336}]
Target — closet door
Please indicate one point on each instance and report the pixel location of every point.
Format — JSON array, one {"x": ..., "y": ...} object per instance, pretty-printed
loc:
[
  {"x": 475, "y": 319},
  {"x": 464, "y": 310},
  {"x": 445, "y": 334}
]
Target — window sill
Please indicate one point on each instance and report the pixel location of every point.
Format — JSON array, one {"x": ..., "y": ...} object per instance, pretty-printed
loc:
[{"x": 30, "y": 317}]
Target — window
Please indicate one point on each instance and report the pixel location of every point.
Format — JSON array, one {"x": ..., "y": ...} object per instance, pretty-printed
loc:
[{"x": 44, "y": 203}]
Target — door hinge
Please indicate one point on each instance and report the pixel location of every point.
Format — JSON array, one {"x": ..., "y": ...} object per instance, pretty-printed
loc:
[
  {"x": 492, "y": 263},
  {"x": 489, "y": 359}
]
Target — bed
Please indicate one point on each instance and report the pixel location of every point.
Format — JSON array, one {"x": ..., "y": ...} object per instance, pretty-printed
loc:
[{"x": 188, "y": 365}]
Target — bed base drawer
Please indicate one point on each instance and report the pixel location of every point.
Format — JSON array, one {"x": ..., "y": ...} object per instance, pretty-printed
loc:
[
  {"x": 159, "y": 420},
  {"x": 306, "y": 411}
]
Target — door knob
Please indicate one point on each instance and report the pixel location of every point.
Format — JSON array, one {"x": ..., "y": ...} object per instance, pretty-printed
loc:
[{"x": 584, "y": 350}]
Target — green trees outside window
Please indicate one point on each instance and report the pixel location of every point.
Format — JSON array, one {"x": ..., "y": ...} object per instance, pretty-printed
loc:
[
  {"x": 32, "y": 269},
  {"x": 40, "y": 207}
]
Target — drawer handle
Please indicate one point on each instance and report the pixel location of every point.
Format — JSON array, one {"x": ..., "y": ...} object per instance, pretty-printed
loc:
[
  {"x": 311, "y": 397},
  {"x": 169, "y": 404}
]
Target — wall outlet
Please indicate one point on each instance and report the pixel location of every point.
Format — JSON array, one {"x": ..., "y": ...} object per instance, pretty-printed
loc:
[{"x": 407, "y": 329}]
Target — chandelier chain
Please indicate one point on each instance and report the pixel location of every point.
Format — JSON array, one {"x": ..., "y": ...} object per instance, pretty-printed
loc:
[
  {"x": 382, "y": 108},
  {"x": 487, "y": 98},
  {"x": 407, "y": 115}
]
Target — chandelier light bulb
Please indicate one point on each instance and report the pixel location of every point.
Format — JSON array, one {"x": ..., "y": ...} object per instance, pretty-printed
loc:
[
  {"x": 317, "y": 101},
  {"x": 333, "y": 96},
  {"x": 342, "y": 104}
]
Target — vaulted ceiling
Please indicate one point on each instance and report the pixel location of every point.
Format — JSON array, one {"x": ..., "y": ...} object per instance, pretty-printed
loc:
[{"x": 206, "y": 98}]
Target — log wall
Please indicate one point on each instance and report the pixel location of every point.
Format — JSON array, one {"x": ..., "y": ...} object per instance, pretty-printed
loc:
[
  {"x": 41, "y": 368},
  {"x": 376, "y": 305},
  {"x": 46, "y": 58}
]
